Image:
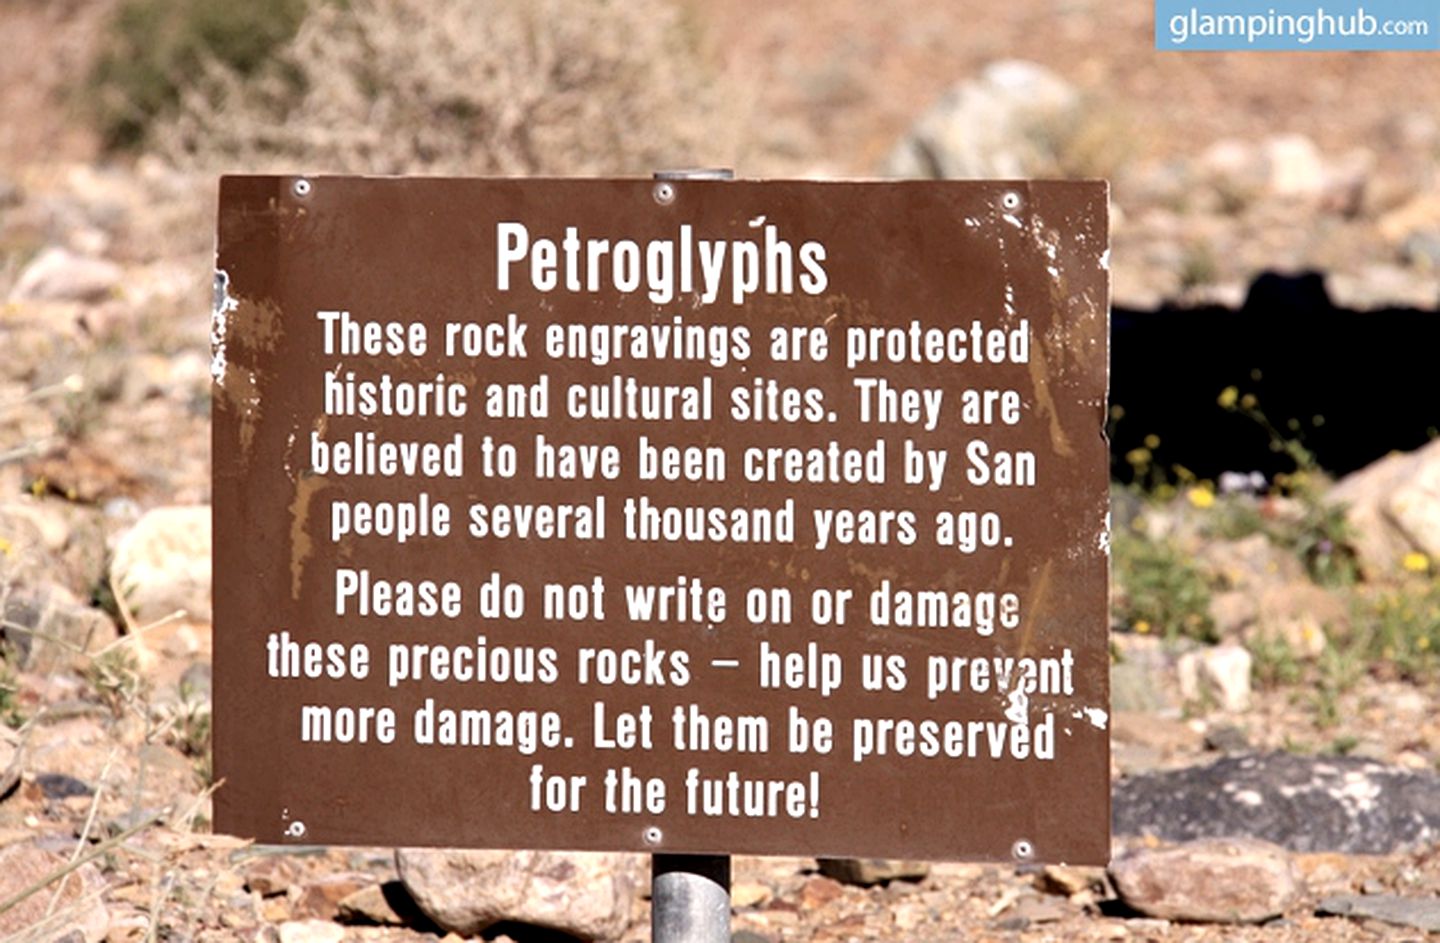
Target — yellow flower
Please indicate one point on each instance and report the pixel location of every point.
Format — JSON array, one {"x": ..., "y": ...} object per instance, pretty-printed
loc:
[
  {"x": 1138, "y": 456},
  {"x": 1248, "y": 401},
  {"x": 1228, "y": 397},
  {"x": 1423, "y": 643},
  {"x": 1201, "y": 497},
  {"x": 1152, "y": 441},
  {"x": 5, "y": 547},
  {"x": 1142, "y": 627},
  {"x": 1416, "y": 562}
]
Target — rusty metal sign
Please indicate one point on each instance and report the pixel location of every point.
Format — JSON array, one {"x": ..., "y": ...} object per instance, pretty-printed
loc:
[{"x": 681, "y": 516}]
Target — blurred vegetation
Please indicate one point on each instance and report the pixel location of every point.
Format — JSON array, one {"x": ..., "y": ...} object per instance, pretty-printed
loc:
[
  {"x": 462, "y": 87},
  {"x": 155, "y": 48},
  {"x": 1158, "y": 589}
]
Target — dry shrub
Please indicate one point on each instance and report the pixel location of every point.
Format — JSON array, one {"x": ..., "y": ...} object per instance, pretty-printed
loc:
[{"x": 464, "y": 87}]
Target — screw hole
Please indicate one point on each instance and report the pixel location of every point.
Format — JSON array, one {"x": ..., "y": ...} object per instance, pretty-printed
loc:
[
  {"x": 1022, "y": 850},
  {"x": 1010, "y": 201},
  {"x": 664, "y": 193},
  {"x": 653, "y": 835},
  {"x": 302, "y": 188}
]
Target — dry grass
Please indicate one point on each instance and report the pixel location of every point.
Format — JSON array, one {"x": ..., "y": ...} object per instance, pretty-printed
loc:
[{"x": 466, "y": 87}]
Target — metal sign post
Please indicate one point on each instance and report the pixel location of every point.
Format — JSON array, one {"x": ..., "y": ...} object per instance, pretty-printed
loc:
[
  {"x": 690, "y": 894},
  {"x": 690, "y": 898}
]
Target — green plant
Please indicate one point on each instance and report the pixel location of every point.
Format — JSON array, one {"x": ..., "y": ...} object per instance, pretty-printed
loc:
[
  {"x": 1400, "y": 630},
  {"x": 1319, "y": 535},
  {"x": 1159, "y": 590},
  {"x": 1274, "y": 662},
  {"x": 154, "y": 47},
  {"x": 115, "y": 676},
  {"x": 1198, "y": 266},
  {"x": 11, "y": 714}
]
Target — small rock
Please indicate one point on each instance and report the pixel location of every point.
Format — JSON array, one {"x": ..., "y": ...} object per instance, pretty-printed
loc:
[
  {"x": 1422, "y": 249},
  {"x": 78, "y": 909},
  {"x": 311, "y": 931},
  {"x": 61, "y": 786},
  {"x": 52, "y": 629},
  {"x": 585, "y": 895},
  {"x": 1413, "y": 912},
  {"x": 866, "y": 872},
  {"x": 271, "y": 876},
  {"x": 386, "y": 905},
  {"x": 1233, "y": 880},
  {"x": 1227, "y": 738},
  {"x": 750, "y": 894},
  {"x": 1251, "y": 563},
  {"x": 1142, "y": 678},
  {"x": 1295, "y": 166},
  {"x": 748, "y": 936},
  {"x": 1220, "y": 674},
  {"x": 1035, "y": 910},
  {"x": 1301, "y": 615},
  {"x": 59, "y": 275},
  {"x": 1068, "y": 881},
  {"x": 321, "y": 898},
  {"x": 163, "y": 563},
  {"x": 1233, "y": 612},
  {"x": 819, "y": 891},
  {"x": 1305, "y": 804}
]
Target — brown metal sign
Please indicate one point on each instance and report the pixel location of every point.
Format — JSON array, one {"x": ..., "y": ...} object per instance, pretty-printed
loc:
[{"x": 694, "y": 516}]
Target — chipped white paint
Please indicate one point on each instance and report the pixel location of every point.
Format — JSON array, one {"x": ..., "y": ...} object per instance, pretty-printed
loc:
[
  {"x": 1098, "y": 718},
  {"x": 758, "y": 221},
  {"x": 1103, "y": 541},
  {"x": 220, "y": 325},
  {"x": 972, "y": 222},
  {"x": 1105, "y": 260},
  {"x": 1017, "y": 706},
  {"x": 1013, "y": 220}
]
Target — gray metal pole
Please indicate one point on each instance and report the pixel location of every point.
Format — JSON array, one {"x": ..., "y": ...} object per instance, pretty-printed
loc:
[
  {"x": 690, "y": 894},
  {"x": 690, "y": 898}
]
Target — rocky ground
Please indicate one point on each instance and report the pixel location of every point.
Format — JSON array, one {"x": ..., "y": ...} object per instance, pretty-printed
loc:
[{"x": 1251, "y": 629}]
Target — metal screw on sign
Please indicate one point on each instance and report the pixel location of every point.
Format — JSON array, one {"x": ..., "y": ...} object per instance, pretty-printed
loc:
[{"x": 689, "y": 894}]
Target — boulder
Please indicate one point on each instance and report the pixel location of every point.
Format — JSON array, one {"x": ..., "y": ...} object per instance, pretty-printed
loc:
[
  {"x": 78, "y": 913},
  {"x": 1393, "y": 507},
  {"x": 1305, "y": 804},
  {"x": 991, "y": 127},
  {"x": 586, "y": 895},
  {"x": 1220, "y": 675},
  {"x": 50, "y": 628},
  {"x": 866, "y": 872},
  {"x": 162, "y": 564},
  {"x": 59, "y": 275},
  {"x": 1226, "y": 880}
]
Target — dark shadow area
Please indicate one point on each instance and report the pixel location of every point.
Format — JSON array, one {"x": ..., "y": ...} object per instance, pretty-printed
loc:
[{"x": 1357, "y": 384}]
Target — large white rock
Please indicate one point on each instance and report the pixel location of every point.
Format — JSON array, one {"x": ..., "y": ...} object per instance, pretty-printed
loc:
[
  {"x": 162, "y": 564},
  {"x": 589, "y": 896},
  {"x": 1220, "y": 674},
  {"x": 59, "y": 275},
  {"x": 992, "y": 127},
  {"x": 1393, "y": 506}
]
